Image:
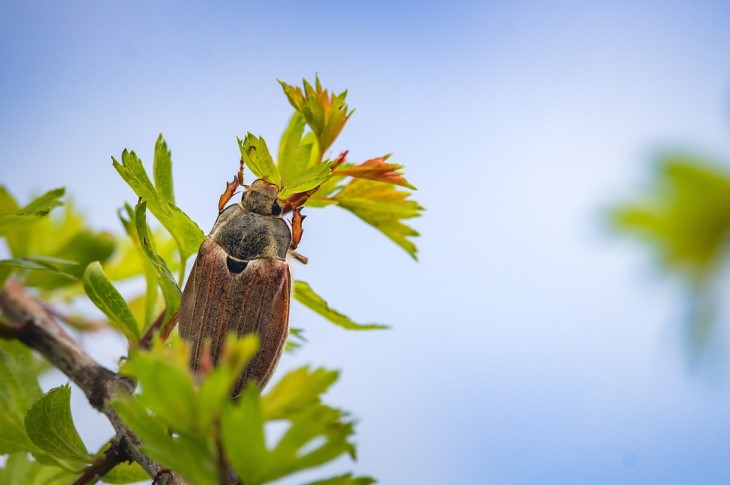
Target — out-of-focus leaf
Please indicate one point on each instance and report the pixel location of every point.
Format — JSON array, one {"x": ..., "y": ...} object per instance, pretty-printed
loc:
[
  {"x": 296, "y": 339},
  {"x": 170, "y": 290},
  {"x": 686, "y": 217},
  {"x": 242, "y": 433},
  {"x": 382, "y": 206},
  {"x": 186, "y": 233},
  {"x": 109, "y": 301},
  {"x": 50, "y": 427},
  {"x": 257, "y": 157},
  {"x": 162, "y": 170},
  {"x": 295, "y": 149},
  {"x": 304, "y": 294},
  {"x": 317, "y": 433},
  {"x": 308, "y": 179},
  {"x": 83, "y": 247},
  {"x": 184, "y": 455},
  {"x": 20, "y": 470},
  {"x": 126, "y": 473},
  {"x": 296, "y": 390},
  {"x": 19, "y": 389},
  {"x": 39, "y": 263},
  {"x": 31, "y": 213},
  {"x": 347, "y": 479},
  {"x": 377, "y": 169},
  {"x": 325, "y": 113}
]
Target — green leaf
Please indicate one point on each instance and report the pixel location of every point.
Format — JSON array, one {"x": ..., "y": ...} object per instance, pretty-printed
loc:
[
  {"x": 126, "y": 473},
  {"x": 685, "y": 217},
  {"x": 258, "y": 158},
  {"x": 20, "y": 470},
  {"x": 170, "y": 290},
  {"x": 382, "y": 206},
  {"x": 297, "y": 390},
  {"x": 19, "y": 389},
  {"x": 295, "y": 452},
  {"x": 295, "y": 149},
  {"x": 308, "y": 179},
  {"x": 109, "y": 301},
  {"x": 50, "y": 427},
  {"x": 186, "y": 233},
  {"x": 242, "y": 434},
  {"x": 325, "y": 113},
  {"x": 18, "y": 219},
  {"x": 317, "y": 433},
  {"x": 195, "y": 463},
  {"x": 347, "y": 479},
  {"x": 162, "y": 169},
  {"x": 307, "y": 297}
]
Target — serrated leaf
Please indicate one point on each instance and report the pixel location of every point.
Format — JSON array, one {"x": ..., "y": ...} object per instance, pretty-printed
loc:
[
  {"x": 295, "y": 149},
  {"x": 295, "y": 451},
  {"x": 186, "y": 233},
  {"x": 347, "y": 479},
  {"x": 31, "y": 213},
  {"x": 257, "y": 157},
  {"x": 195, "y": 464},
  {"x": 50, "y": 427},
  {"x": 20, "y": 470},
  {"x": 107, "y": 299},
  {"x": 242, "y": 434},
  {"x": 325, "y": 113},
  {"x": 383, "y": 207},
  {"x": 162, "y": 170},
  {"x": 19, "y": 389},
  {"x": 380, "y": 171},
  {"x": 297, "y": 390},
  {"x": 170, "y": 290},
  {"x": 305, "y": 295},
  {"x": 308, "y": 179}
]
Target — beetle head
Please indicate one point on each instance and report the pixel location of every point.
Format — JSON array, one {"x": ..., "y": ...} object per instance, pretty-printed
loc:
[{"x": 261, "y": 197}]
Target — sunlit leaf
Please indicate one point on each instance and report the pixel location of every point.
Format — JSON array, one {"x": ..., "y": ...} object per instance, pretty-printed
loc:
[
  {"x": 295, "y": 149},
  {"x": 308, "y": 179},
  {"x": 109, "y": 301},
  {"x": 257, "y": 157},
  {"x": 50, "y": 426},
  {"x": 384, "y": 207},
  {"x": 296, "y": 390},
  {"x": 186, "y": 233},
  {"x": 304, "y": 294},
  {"x": 170, "y": 290},
  {"x": 242, "y": 433},
  {"x": 325, "y": 113},
  {"x": 162, "y": 170},
  {"x": 377, "y": 169}
]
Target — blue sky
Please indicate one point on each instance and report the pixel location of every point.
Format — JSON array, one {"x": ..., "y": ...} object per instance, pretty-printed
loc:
[{"x": 529, "y": 344}]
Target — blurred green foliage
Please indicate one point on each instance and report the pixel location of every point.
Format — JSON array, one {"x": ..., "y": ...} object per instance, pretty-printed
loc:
[{"x": 684, "y": 217}]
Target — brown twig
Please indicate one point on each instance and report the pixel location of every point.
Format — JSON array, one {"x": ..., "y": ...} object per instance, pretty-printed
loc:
[
  {"x": 113, "y": 456},
  {"x": 27, "y": 321}
]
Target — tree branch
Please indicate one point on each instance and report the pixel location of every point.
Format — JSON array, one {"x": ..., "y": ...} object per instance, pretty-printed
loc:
[{"x": 31, "y": 324}]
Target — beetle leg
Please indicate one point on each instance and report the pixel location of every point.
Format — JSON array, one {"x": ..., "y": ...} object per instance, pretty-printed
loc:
[
  {"x": 296, "y": 227},
  {"x": 228, "y": 193}
]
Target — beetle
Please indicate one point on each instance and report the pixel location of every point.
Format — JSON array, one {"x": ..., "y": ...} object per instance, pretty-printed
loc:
[{"x": 240, "y": 281}]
